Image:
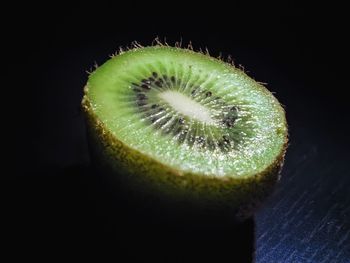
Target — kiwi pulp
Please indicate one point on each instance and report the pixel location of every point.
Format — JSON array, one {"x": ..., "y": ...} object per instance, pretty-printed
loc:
[{"x": 185, "y": 128}]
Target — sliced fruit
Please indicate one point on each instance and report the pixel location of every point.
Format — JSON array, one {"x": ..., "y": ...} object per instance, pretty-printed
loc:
[{"x": 183, "y": 126}]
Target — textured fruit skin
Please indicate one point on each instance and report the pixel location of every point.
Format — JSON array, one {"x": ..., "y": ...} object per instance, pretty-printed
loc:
[{"x": 144, "y": 179}]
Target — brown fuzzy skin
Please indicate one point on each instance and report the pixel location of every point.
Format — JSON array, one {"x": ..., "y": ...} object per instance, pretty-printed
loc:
[{"x": 143, "y": 176}]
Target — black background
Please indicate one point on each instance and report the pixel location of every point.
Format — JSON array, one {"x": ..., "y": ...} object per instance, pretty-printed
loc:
[{"x": 50, "y": 201}]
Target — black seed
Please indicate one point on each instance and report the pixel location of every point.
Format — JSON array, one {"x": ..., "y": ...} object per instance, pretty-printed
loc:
[
  {"x": 173, "y": 79},
  {"x": 221, "y": 145},
  {"x": 165, "y": 77},
  {"x": 224, "y": 147},
  {"x": 224, "y": 144},
  {"x": 234, "y": 109},
  {"x": 226, "y": 139},
  {"x": 158, "y": 83},
  {"x": 193, "y": 91},
  {"x": 181, "y": 120},
  {"x": 154, "y": 74},
  {"x": 154, "y": 119},
  {"x": 141, "y": 96},
  {"x": 208, "y": 94},
  {"x": 144, "y": 86},
  {"x": 200, "y": 139},
  {"x": 154, "y": 106},
  {"x": 228, "y": 124},
  {"x": 141, "y": 103},
  {"x": 146, "y": 81},
  {"x": 217, "y": 98},
  {"x": 161, "y": 109},
  {"x": 151, "y": 79},
  {"x": 229, "y": 121}
]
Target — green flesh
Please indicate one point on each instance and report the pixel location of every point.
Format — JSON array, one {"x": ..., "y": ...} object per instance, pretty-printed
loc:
[{"x": 247, "y": 129}]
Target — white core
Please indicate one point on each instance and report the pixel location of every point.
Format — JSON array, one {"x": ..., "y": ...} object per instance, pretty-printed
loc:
[{"x": 187, "y": 106}]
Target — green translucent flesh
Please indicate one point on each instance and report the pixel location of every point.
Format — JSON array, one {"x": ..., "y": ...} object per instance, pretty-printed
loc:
[{"x": 260, "y": 126}]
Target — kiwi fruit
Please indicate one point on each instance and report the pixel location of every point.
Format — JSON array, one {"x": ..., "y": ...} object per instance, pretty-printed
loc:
[{"x": 184, "y": 129}]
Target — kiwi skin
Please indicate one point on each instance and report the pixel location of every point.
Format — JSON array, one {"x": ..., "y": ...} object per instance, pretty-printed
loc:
[{"x": 141, "y": 179}]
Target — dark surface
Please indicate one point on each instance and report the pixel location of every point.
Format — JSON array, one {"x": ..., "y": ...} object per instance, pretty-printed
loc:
[{"x": 52, "y": 201}]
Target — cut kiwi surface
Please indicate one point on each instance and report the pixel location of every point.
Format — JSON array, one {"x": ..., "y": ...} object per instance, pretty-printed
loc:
[{"x": 184, "y": 126}]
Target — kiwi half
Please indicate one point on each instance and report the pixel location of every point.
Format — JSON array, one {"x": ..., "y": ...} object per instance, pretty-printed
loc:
[{"x": 185, "y": 128}]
